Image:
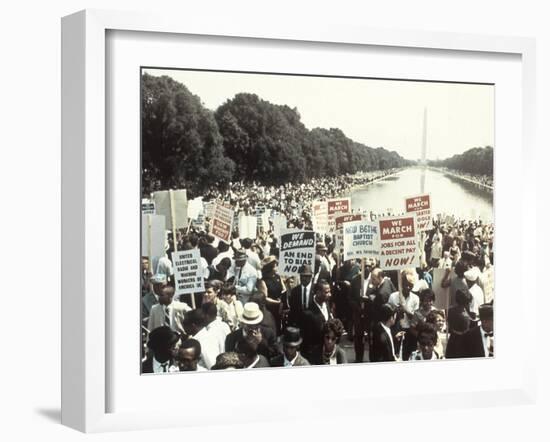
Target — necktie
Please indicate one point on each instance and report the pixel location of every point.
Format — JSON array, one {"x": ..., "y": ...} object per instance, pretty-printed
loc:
[
  {"x": 166, "y": 317},
  {"x": 164, "y": 367},
  {"x": 304, "y": 301},
  {"x": 490, "y": 346}
]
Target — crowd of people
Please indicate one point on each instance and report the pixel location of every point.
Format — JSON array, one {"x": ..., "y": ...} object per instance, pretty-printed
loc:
[
  {"x": 484, "y": 180},
  {"x": 249, "y": 316},
  {"x": 291, "y": 199}
]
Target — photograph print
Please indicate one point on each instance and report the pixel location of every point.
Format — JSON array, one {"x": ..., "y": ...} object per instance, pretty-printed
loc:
[{"x": 304, "y": 220}]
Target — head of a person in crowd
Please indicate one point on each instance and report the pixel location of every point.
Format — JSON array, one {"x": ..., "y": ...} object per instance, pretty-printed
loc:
[
  {"x": 388, "y": 315},
  {"x": 188, "y": 355},
  {"x": 240, "y": 258},
  {"x": 469, "y": 258},
  {"x": 427, "y": 299},
  {"x": 227, "y": 293},
  {"x": 223, "y": 247},
  {"x": 376, "y": 276},
  {"x": 144, "y": 263},
  {"x": 209, "y": 238},
  {"x": 186, "y": 244},
  {"x": 455, "y": 242},
  {"x": 228, "y": 361},
  {"x": 434, "y": 262},
  {"x": 486, "y": 317},
  {"x": 250, "y": 320},
  {"x": 463, "y": 298},
  {"x": 247, "y": 349},
  {"x": 460, "y": 268},
  {"x": 166, "y": 295},
  {"x": 210, "y": 312},
  {"x": 408, "y": 280},
  {"x": 321, "y": 249},
  {"x": 212, "y": 293},
  {"x": 246, "y": 243},
  {"x": 437, "y": 318},
  {"x": 193, "y": 322},
  {"x": 427, "y": 339},
  {"x": 306, "y": 274},
  {"x": 322, "y": 291},
  {"x": 472, "y": 275},
  {"x": 332, "y": 332},
  {"x": 291, "y": 342},
  {"x": 269, "y": 266},
  {"x": 162, "y": 343},
  {"x": 159, "y": 281}
]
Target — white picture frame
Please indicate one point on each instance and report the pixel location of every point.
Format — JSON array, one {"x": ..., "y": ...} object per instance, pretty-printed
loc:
[{"x": 87, "y": 215}]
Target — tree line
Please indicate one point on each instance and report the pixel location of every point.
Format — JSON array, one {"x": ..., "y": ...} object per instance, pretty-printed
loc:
[
  {"x": 185, "y": 145},
  {"x": 477, "y": 161}
]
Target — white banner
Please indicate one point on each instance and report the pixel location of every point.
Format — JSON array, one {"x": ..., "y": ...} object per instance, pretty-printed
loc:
[
  {"x": 319, "y": 210},
  {"x": 247, "y": 226},
  {"x": 172, "y": 201},
  {"x": 153, "y": 236}
]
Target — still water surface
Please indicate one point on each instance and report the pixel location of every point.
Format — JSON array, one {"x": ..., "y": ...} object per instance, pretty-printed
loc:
[{"x": 449, "y": 195}]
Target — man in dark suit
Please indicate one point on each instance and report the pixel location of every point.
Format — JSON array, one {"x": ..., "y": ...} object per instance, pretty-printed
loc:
[
  {"x": 383, "y": 343},
  {"x": 314, "y": 318},
  {"x": 382, "y": 289},
  {"x": 161, "y": 344},
  {"x": 358, "y": 297},
  {"x": 301, "y": 296},
  {"x": 208, "y": 251},
  {"x": 291, "y": 356},
  {"x": 478, "y": 341}
]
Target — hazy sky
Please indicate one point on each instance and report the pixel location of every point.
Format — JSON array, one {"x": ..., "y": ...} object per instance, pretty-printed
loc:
[{"x": 378, "y": 113}]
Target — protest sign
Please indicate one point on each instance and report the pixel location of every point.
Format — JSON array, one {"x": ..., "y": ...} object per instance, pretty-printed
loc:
[
  {"x": 361, "y": 239},
  {"x": 279, "y": 224},
  {"x": 153, "y": 237},
  {"x": 335, "y": 207},
  {"x": 147, "y": 207},
  {"x": 398, "y": 242},
  {"x": 188, "y": 272},
  {"x": 265, "y": 220},
  {"x": 195, "y": 208},
  {"x": 319, "y": 210},
  {"x": 247, "y": 226},
  {"x": 421, "y": 205},
  {"x": 296, "y": 248},
  {"x": 172, "y": 204},
  {"x": 222, "y": 222},
  {"x": 340, "y": 220}
]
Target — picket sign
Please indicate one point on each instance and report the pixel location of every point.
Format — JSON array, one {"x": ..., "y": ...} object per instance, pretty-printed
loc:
[
  {"x": 421, "y": 205},
  {"x": 296, "y": 248},
  {"x": 173, "y": 205},
  {"x": 188, "y": 274},
  {"x": 398, "y": 242}
]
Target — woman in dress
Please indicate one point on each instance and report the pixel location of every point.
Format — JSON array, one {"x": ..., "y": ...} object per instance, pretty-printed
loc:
[
  {"x": 275, "y": 288},
  {"x": 460, "y": 322}
]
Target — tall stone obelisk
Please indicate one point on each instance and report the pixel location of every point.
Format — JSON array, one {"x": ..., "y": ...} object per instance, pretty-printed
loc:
[{"x": 423, "y": 160}]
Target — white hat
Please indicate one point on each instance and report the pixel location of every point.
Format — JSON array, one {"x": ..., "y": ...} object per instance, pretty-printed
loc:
[
  {"x": 473, "y": 274},
  {"x": 252, "y": 314},
  {"x": 159, "y": 278}
]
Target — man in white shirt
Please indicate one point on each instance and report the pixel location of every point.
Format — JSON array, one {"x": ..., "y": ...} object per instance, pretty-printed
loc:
[
  {"x": 406, "y": 303},
  {"x": 244, "y": 276},
  {"x": 194, "y": 324},
  {"x": 472, "y": 279},
  {"x": 214, "y": 325}
]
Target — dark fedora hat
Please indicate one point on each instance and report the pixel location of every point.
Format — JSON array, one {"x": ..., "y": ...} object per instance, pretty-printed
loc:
[
  {"x": 305, "y": 269},
  {"x": 162, "y": 336},
  {"x": 291, "y": 337}
]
